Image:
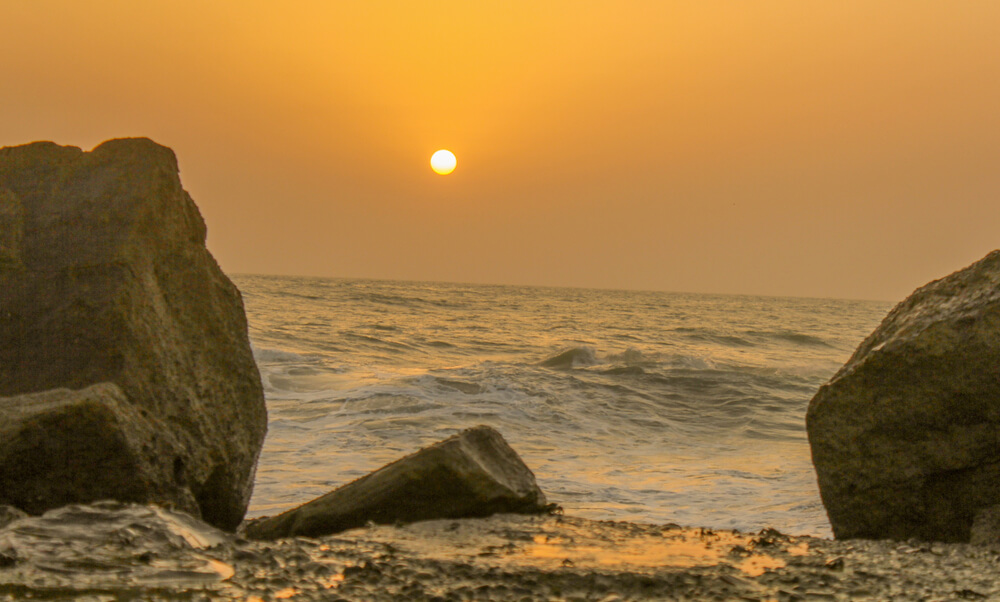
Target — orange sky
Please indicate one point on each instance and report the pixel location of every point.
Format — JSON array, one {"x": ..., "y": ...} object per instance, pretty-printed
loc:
[{"x": 834, "y": 149}]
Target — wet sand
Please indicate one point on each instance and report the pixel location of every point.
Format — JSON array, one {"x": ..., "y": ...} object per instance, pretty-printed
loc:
[{"x": 524, "y": 558}]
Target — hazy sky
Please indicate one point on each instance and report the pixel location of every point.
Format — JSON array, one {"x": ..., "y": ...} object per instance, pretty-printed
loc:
[{"x": 848, "y": 148}]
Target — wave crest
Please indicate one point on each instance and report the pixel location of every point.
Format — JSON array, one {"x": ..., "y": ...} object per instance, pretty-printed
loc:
[{"x": 571, "y": 358}]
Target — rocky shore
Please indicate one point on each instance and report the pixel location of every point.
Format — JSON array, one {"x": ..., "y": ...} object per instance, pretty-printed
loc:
[{"x": 130, "y": 552}]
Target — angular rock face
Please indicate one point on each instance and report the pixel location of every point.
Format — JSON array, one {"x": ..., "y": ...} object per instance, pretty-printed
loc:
[
  {"x": 906, "y": 436},
  {"x": 105, "y": 278},
  {"x": 51, "y": 442},
  {"x": 472, "y": 474}
]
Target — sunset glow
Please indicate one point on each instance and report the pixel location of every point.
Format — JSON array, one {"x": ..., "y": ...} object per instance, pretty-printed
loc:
[
  {"x": 777, "y": 147},
  {"x": 702, "y": 265}
]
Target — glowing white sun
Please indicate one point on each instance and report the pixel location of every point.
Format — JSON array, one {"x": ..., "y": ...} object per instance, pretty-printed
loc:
[{"x": 443, "y": 162}]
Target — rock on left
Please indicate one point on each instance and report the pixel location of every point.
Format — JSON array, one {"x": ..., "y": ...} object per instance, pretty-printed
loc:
[{"x": 125, "y": 365}]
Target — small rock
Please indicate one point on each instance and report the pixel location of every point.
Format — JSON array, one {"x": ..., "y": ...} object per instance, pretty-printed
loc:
[
  {"x": 472, "y": 474},
  {"x": 986, "y": 527},
  {"x": 768, "y": 537},
  {"x": 9, "y": 514},
  {"x": 837, "y": 564}
]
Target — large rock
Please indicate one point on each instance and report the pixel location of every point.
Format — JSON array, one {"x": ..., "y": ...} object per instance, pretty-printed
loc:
[
  {"x": 63, "y": 445},
  {"x": 472, "y": 474},
  {"x": 105, "y": 278},
  {"x": 906, "y": 436}
]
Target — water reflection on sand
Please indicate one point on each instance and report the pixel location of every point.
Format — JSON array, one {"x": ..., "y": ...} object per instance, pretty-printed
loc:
[
  {"x": 563, "y": 542},
  {"x": 111, "y": 551}
]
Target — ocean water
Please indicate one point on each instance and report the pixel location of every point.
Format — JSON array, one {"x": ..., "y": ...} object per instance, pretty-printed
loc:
[{"x": 641, "y": 406}]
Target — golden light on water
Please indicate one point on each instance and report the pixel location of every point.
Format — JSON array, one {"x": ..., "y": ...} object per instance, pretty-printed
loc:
[{"x": 443, "y": 162}]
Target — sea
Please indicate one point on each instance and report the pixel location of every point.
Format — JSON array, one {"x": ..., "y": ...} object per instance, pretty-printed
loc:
[{"x": 651, "y": 407}]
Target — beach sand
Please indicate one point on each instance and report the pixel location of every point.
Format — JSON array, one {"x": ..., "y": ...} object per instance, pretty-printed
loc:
[{"x": 526, "y": 558}]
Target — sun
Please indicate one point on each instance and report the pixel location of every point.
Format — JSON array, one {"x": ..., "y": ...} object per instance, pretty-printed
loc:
[{"x": 443, "y": 162}]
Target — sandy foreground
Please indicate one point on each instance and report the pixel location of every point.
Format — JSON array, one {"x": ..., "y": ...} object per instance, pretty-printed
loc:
[{"x": 506, "y": 557}]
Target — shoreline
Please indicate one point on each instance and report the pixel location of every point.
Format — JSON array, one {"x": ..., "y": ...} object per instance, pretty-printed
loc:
[
  {"x": 503, "y": 557},
  {"x": 511, "y": 557}
]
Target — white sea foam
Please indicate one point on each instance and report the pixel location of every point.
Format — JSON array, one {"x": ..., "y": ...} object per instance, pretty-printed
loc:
[{"x": 264, "y": 355}]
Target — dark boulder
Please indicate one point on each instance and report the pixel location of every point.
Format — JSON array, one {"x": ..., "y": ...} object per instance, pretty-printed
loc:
[
  {"x": 52, "y": 441},
  {"x": 472, "y": 474},
  {"x": 906, "y": 436},
  {"x": 105, "y": 278}
]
